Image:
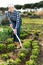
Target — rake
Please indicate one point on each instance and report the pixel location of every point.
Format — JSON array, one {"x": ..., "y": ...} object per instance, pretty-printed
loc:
[
  {"x": 22, "y": 48},
  {"x": 18, "y": 39}
]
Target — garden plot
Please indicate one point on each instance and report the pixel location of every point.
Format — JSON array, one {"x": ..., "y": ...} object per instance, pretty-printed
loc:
[
  {"x": 30, "y": 35},
  {"x": 8, "y": 55},
  {"x": 25, "y": 57}
]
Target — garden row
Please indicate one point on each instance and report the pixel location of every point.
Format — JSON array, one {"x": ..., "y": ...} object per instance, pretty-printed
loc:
[
  {"x": 25, "y": 31},
  {"x": 35, "y": 54},
  {"x": 7, "y": 33},
  {"x": 21, "y": 58}
]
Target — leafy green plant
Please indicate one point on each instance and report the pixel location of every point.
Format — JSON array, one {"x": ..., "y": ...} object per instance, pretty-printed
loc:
[
  {"x": 35, "y": 41},
  {"x": 3, "y": 63},
  {"x": 11, "y": 62},
  {"x": 5, "y": 56},
  {"x": 34, "y": 44},
  {"x": 18, "y": 61},
  {"x": 31, "y": 62},
  {"x": 25, "y": 51},
  {"x": 36, "y": 47},
  {"x": 22, "y": 36},
  {"x": 27, "y": 44},
  {"x": 2, "y": 48},
  {"x": 9, "y": 40},
  {"x": 33, "y": 57},
  {"x": 4, "y": 35},
  {"x": 21, "y": 56},
  {"x": 11, "y": 47},
  {"x": 35, "y": 52}
]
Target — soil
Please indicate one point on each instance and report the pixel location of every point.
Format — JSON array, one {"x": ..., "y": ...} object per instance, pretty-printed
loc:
[{"x": 41, "y": 52}]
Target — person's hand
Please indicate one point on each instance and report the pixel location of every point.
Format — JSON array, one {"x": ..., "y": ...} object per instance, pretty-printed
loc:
[
  {"x": 15, "y": 31},
  {"x": 11, "y": 25}
]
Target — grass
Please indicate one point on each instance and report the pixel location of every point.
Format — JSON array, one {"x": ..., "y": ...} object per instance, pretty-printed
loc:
[
  {"x": 34, "y": 21},
  {"x": 33, "y": 24}
]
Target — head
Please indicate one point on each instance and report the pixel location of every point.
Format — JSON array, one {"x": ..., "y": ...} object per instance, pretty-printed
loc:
[{"x": 11, "y": 7}]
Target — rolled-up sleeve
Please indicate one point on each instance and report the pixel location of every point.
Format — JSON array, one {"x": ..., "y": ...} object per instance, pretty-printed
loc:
[{"x": 17, "y": 20}]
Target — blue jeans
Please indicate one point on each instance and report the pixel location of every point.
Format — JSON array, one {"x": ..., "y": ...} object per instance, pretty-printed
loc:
[{"x": 18, "y": 32}]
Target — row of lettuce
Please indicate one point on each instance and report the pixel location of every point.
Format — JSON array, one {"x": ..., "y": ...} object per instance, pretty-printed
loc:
[
  {"x": 8, "y": 33},
  {"x": 29, "y": 44},
  {"x": 26, "y": 30}
]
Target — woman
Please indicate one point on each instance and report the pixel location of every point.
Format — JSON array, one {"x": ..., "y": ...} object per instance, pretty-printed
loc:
[{"x": 15, "y": 22}]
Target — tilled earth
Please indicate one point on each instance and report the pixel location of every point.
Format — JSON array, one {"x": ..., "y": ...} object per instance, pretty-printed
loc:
[{"x": 41, "y": 52}]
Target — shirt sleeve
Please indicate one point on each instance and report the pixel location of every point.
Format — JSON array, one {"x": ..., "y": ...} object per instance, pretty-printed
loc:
[
  {"x": 7, "y": 16},
  {"x": 9, "y": 20},
  {"x": 17, "y": 20}
]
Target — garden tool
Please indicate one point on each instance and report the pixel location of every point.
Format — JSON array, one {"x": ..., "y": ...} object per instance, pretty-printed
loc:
[
  {"x": 18, "y": 39},
  {"x": 22, "y": 48}
]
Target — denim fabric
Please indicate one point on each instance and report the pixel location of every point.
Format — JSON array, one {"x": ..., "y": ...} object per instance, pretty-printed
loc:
[{"x": 18, "y": 32}]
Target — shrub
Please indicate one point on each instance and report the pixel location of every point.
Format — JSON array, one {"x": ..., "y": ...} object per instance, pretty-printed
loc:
[
  {"x": 2, "y": 48},
  {"x": 21, "y": 56},
  {"x": 11, "y": 47},
  {"x": 29, "y": 13},
  {"x": 5, "y": 56},
  {"x": 31, "y": 62}
]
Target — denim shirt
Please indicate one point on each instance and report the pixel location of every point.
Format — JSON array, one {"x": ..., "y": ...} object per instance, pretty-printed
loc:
[{"x": 14, "y": 17}]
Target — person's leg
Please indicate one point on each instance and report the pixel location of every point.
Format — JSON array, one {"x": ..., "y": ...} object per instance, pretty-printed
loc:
[
  {"x": 18, "y": 33},
  {"x": 15, "y": 38}
]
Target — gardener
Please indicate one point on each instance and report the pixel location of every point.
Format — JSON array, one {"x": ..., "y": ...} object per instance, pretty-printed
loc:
[{"x": 15, "y": 22}]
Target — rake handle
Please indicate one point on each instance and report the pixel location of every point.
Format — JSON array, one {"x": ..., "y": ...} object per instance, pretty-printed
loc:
[{"x": 18, "y": 39}]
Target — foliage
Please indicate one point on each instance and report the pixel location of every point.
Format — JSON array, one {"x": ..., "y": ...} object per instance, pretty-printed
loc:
[
  {"x": 35, "y": 52},
  {"x": 27, "y": 44},
  {"x": 25, "y": 51},
  {"x": 5, "y": 56},
  {"x": 11, "y": 47},
  {"x": 31, "y": 62},
  {"x": 21, "y": 56},
  {"x": 18, "y": 61},
  {"x": 33, "y": 57},
  {"x": 2, "y": 48},
  {"x": 11, "y": 62},
  {"x": 9, "y": 40}
]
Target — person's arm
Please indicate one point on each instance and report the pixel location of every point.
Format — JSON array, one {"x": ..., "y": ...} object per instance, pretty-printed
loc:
[
  {"x": 17, "y": 20},
  {"x": 7, "y": 16},
  {"x": 11, "y": 25}
]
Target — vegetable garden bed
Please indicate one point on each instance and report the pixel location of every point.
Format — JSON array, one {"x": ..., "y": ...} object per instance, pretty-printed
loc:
[{"x": 8, "y": 56}]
